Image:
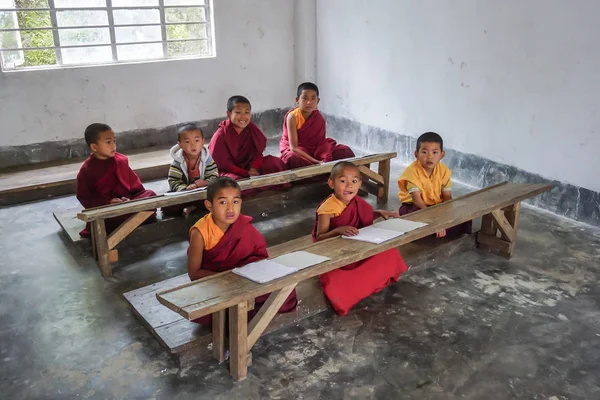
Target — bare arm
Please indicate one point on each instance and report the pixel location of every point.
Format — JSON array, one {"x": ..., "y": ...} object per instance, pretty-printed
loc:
[
  {"x": 446, "y": 195},
  {"x": 293, "y": 138},
  {"x": 323, "y": 223},
  {"x": 195, "y": 253},
  {"x": 418, "y": 200}
]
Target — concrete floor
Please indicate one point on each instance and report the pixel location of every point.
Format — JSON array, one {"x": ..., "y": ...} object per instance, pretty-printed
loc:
[{"x": 476, "y": 327}]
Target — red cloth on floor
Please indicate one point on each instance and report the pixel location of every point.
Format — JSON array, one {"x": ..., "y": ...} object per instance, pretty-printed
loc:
[
  {"x": 100, "y": 181},
  {"x": 312, "y": 139},
  {"x": 241, "y": 245},
  {"x": 346, "y": 286}
]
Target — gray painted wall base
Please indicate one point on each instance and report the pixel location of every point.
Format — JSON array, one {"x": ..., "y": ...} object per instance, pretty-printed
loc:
[
  {"x": 269, "y": 121},
  {"x": 564, "y": 199}
]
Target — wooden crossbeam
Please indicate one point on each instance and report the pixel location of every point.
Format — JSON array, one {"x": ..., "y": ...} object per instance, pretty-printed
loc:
[
  {"x": 127, "y": 227},
  {"x": 503, "y": 224},
  {"x": 266, "y": 313},
  {"x": 369, "y": 173}
]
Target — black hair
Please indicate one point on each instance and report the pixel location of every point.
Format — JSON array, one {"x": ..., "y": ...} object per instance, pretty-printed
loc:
[
  {"x": 339, "y": 167},
  {"x": 93, "y": 131},
  {"x": 187, "y": 128},
  {"x": 221, "y": 182},
  {"x": 235, "y": 100},
  {"x": 307, "y": 86},
  {"x": 430, "y": 137}
]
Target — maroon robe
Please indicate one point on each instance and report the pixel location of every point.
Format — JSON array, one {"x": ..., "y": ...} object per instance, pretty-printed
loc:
[
  {"x": 241, "y": 245},
  {"x": 312, "y": 140},
  {"x": 346, "y": 286},
  {"x": 100, "y": 181}
]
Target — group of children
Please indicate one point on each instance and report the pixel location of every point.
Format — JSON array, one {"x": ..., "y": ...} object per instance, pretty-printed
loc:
[{"x": 224, "y": 238}]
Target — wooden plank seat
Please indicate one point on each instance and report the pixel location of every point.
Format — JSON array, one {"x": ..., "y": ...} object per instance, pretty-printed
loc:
[
  {"x": 181, "y": 336},
  {"x": 104, "y": 246},
  {"x": 227, "y": 291},
  {"x": 41, "y": 181}
]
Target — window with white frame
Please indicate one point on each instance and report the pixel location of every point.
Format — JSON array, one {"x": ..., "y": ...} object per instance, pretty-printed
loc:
[{"x": 50, "y": 33}]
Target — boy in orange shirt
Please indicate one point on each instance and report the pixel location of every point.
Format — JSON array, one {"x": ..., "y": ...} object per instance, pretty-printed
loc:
[
  {"x": 343, "y": 213},
  {"x": 426, "y": 182},
  {"x": 225, "y": 239}
]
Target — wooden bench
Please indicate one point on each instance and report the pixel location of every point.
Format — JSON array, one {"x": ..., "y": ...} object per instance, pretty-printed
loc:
[
  {"x": 182, "y": 337},
  {"x": 104, "y": 246},
  {"x": 41, "y": 181},
  {"x": 216, "y": 294}
]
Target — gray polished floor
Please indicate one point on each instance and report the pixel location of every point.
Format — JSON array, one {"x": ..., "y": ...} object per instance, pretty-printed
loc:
[{"x": 475, "y": 327}]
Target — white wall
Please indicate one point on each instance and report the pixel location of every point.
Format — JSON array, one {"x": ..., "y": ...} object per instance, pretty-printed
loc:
[
  {"x": 514, "y": 81},
  {"x": 255, "y": 57}
]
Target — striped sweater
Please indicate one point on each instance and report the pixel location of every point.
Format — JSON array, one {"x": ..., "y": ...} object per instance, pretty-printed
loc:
[{"x": 178, "y": 171}]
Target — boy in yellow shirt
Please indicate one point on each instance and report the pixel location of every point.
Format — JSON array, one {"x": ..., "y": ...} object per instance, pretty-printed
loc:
[{"x": 426, "y": 182}]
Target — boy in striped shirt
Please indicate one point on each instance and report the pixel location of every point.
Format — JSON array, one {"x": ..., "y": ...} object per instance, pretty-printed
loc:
[{"x": 192, "y": 166}]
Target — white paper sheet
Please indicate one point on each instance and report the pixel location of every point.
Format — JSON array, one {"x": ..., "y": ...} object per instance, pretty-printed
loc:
[
  {"x": 263, "y": 271},
  {"x": 300, "y": 259},
  {"x": 399, "y": 225},
  {"x": 374, "y": 235},
  {"x": 185, "y": 191},
  {"x": 267, "y": 270}
]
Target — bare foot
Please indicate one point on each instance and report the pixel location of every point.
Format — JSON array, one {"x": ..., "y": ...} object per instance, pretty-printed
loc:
[{"x": 188, "y": 210}]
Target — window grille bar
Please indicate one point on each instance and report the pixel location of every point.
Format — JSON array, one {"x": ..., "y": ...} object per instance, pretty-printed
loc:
[
  {"x": 55, "y": 34},
  {"x": 59, "y": 9},
  {"x": 111, "y": 29},
  {"x": 163, "y": 28},
  {"x": 77, "y": 46},
  {"x": 47, "y": 28}
]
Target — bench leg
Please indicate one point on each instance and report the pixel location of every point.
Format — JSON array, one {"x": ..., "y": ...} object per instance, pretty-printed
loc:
[
  {"x": 101, "y": 246},
  {"x": 506, "y": 221},
  {"x": 238, "y": 341},
  {"x": 266, "y": 313},
  {"x": 218, "y": 335},
  {"x": 384, "y": 171}
]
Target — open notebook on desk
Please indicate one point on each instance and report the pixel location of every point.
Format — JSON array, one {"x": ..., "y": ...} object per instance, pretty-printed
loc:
[{"x": 267, "y": 270}]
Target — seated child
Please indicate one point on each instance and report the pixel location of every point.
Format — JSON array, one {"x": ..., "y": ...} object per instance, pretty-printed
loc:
[
  {"x": 304, "y": 140},
  {"x": 225, "y": 239},
  {"x": 237, "y": 146},
  {"x": 105, "y": 176},
  {"x": 426, "y": 182},
  {"x": 343, "y": 213},
  {"x": 192, "y": 167}
]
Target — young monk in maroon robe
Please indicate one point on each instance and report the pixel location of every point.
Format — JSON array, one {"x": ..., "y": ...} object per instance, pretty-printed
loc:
[
  {"x": 225, "y": 239},
  {"x": 105, "y": 176},
  {"x": 343, "y": 213},
  {"x": 304, "y": 140},
  {"x": 238, "y": 145}
]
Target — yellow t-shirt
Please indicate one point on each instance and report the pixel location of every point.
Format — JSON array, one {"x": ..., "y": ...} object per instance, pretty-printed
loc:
[
  {"x": 211, "y": 233},
  {"x": 332, "y": 205},
  {"x": 415, "y": 179},
  {"x": 299, "y": 117}
]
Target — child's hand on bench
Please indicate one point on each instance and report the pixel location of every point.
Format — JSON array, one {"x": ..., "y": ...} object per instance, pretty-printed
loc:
[
  {"x": 346, "y": 231},
  {"x": 440, "y": 234},
  {"x": 118, "y": 200},
  {"x": 388, "y": 214}
]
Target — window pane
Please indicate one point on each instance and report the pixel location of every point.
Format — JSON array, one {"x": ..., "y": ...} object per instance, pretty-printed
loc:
[
  {"x": 78, "y": 3},
  {"x": 130, "y": 3},
  {"x": 184, "y": 2},
  {"x": 131, "y": 52},
  {"x": 138, "y": 34},
  {"x": 34, "y": 19},
  {"x": 87, "y": 55},
  {"x": 42, "y": 38},
  {"x": 190, "y": 48},
  {"x": 187, "y": 31},
  {"x": 81, "y": 18},
  {"x": 123, "y": 17},
  {"x": 192, "y": 14},
  {"x": 8, "y": 20},
  {"x": 69, "y": 37}
]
